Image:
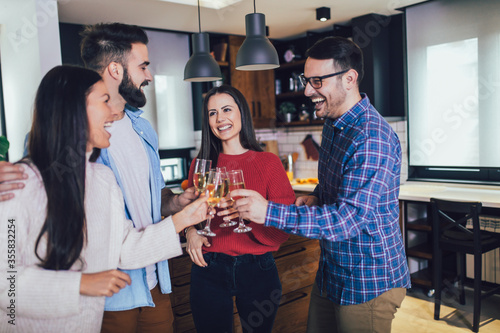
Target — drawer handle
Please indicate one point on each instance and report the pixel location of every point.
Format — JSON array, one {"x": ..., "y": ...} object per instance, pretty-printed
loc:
[
  {"x": 302, "y": 295},
  {"x": 181, "y": 284},
  {"x": 183, "y": 314},
  {"x": 253, "y": 109},
  {"x": 258, "y": 110},
  {"x": 302, "y": 249}
]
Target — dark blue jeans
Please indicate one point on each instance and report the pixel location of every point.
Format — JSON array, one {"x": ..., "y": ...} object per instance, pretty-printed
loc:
[{"x": 252, "y": 279}]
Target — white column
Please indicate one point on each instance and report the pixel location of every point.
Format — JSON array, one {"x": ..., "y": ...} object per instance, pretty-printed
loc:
[{"x": 29, "y": 47}]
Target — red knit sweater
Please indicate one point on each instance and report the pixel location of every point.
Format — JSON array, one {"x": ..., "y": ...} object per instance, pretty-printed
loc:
[{"x": 264, "y": 173}]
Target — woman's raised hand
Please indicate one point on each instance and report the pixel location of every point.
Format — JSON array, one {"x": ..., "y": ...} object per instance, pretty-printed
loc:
[{"x": 193, "y": 213}]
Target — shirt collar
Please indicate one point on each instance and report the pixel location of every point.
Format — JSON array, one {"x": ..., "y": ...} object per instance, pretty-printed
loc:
[
  {"x": 132, "y": 111},
  {"x": 351, "y": 115}
]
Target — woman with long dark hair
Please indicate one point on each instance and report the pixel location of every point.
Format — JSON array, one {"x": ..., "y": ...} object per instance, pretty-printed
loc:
[
  {"x": 66, "y": 231},
  {"x": 231, "y": 264}
]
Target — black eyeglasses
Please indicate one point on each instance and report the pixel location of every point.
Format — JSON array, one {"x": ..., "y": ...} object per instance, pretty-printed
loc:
[{"x": 317, "y": 81}]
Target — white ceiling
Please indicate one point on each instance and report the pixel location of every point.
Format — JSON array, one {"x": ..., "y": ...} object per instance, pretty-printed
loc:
[{"x": 285, "y": 18}]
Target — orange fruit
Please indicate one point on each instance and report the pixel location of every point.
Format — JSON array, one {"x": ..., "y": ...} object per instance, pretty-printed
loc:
[{"x": 184, "y": 184}]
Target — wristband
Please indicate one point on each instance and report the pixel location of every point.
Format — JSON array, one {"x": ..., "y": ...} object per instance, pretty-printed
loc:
[{"x": 187, "y": 229}]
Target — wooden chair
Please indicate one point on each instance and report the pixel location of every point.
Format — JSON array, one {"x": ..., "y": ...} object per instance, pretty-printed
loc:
[{"x": 450, "y": 234}]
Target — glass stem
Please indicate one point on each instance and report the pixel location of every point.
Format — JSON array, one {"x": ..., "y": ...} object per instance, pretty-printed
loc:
[
  {"x": 209, "y": 219},
  {"x": 242, "y": 224}
]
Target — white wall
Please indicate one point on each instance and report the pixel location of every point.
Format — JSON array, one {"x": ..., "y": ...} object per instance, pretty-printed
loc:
[{"x": 29, "y": 47}]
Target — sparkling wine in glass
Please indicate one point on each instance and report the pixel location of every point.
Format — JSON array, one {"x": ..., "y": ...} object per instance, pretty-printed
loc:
[
  {"x": 229, "y": 223},
  {"x": 236, "y": 181},
  {"x": 201, "y": 169},
  {"x": 214, "y": 190}
]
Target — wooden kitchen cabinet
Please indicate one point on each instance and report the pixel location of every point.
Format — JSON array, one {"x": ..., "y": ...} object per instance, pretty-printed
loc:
[
  {"x": 256, "y": 86},
  {"x": 293, "y": 312},
  {"x": 180, "y": 274},
  {"x": 297, "y": 263}
]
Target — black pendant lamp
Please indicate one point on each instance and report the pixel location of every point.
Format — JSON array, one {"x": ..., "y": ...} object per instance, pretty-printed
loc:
[
  {"x": 256, "y": 52},
  {"x": 201, "y": 67}
]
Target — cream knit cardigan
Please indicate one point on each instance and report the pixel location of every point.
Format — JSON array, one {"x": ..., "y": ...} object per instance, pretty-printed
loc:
[{"x": 50, "y": 301}]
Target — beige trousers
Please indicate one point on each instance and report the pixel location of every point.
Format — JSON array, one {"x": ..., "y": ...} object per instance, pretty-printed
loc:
[{"x": 374, "y": 316}]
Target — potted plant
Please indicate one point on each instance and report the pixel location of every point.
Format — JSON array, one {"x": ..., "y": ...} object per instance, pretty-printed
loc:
[
  {"x": 4, "y": 146},
  {"x": 287, "y": 109}
]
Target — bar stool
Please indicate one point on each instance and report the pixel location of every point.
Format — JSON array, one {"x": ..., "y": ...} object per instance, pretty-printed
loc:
[{"x": 450, "y": 234}]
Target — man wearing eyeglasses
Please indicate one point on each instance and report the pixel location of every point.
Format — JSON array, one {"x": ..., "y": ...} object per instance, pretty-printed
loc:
[{"x": 354, "y": 210}]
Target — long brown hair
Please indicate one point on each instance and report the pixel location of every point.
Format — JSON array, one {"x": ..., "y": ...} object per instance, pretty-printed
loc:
[{"x": 57, "y": 147}]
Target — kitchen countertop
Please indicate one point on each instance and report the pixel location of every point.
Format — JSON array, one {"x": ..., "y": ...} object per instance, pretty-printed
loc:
[
  {"x": 303, "y": 187},
  {"x": 488, "y": 195}
]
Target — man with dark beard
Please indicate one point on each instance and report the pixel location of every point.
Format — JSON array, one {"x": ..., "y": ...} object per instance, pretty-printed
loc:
[{"x": 119, "y": 53}]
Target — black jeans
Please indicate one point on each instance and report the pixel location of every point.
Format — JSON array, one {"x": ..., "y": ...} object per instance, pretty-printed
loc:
[{"x": 252, "y": 279}]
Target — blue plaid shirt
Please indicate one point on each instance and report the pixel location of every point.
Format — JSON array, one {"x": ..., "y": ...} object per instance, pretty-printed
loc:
[{"x": 357, "y": 221}]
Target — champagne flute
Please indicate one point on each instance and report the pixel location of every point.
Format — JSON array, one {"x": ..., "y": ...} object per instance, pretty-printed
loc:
[
  {"x": 201, "y": 169},
  {"x": 227, "y": 196},
  {"x": 236, "y": 181},
  {"x": 215, "y": 191}
]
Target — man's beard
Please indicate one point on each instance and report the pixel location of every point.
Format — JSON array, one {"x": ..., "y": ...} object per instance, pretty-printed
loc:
[{"x": 132, "y": 95}]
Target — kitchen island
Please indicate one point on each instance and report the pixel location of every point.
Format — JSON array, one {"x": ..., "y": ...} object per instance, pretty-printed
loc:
[
  {"x": 488, "y": 195},
  {"x": 416, "y": 227},
  {"x": 416, "y": 224}
]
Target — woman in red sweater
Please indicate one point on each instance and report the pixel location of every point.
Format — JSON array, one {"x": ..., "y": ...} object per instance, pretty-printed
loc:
[{"x": 236, "y": 264}]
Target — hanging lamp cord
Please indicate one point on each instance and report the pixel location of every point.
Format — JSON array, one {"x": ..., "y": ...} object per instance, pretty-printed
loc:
[
  {"x": 199, "y": 18},
  {"x": 254, "y": 8}
]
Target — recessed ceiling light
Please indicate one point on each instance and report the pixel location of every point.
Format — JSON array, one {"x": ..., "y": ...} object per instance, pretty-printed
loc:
[
  {"x": 215, "y": 4},
  {"x": 323, "y": 14}
]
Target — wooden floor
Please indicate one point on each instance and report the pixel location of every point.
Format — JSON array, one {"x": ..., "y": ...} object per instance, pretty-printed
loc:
[{"x": 416, "y": 314}]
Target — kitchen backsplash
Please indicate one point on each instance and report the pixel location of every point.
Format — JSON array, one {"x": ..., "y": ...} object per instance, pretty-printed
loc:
[{"x": 290, "y": 141}]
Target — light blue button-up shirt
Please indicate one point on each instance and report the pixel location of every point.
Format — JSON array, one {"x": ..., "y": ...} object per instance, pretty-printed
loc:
[{"x": 137, "y": 294}]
